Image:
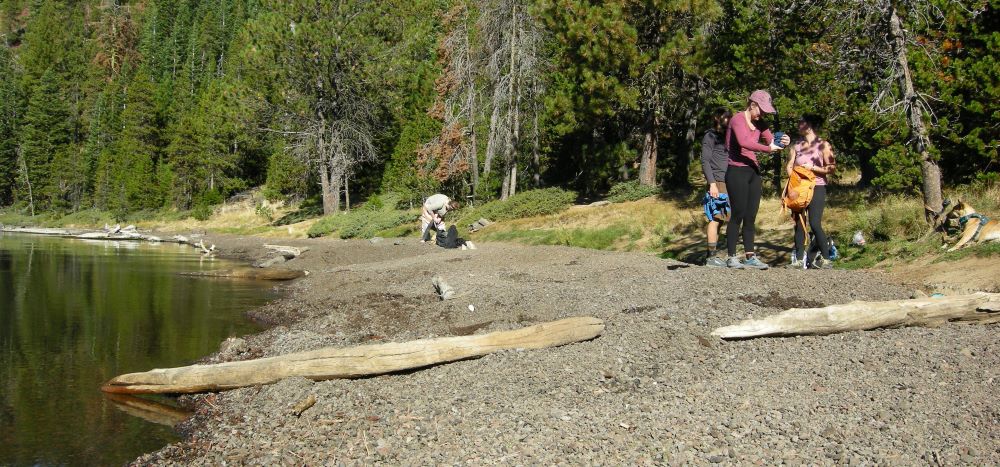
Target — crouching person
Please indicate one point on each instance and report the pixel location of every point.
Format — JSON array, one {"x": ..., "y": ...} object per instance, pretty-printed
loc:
[{"x": 432, "y": 215}]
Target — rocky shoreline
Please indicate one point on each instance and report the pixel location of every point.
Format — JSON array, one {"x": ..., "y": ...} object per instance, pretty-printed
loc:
[{"x": 654, "y": 389}]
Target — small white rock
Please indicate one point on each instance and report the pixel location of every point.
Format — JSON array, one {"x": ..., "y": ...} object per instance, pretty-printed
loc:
[{"x": 472, "y": 308}]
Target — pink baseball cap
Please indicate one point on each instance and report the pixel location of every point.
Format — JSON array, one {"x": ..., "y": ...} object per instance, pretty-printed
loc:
[{"x": 763, "y": 99}]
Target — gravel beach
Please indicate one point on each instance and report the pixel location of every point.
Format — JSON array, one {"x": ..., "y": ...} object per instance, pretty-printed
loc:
[{"x": 654, "y": 389}]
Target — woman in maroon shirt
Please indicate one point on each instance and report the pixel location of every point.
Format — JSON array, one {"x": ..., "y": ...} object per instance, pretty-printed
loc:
[{"x": 743, "y": 181}]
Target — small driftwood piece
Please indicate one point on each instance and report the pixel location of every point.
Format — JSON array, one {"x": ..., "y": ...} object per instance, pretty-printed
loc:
[
  {"x": 353, "y": 362},
  {"x": 445, "y": 291},
  {"x": 980, "y": 308},
  {"x": 288, "y": 252},
  {"x": 304, "y": 405}
]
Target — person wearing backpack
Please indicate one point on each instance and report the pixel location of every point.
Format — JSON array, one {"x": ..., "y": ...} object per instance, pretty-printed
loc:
[
  {"x": 714, "y": 162},
  {"x": 743, "y": 141},
  {"x": 814, "y": 155}
]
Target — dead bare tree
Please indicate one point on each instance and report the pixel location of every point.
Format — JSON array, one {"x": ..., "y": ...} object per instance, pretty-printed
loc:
[
  {"x": 335, "y": 148},
  {"x": 454, "y": 151},
  {"x": 23, "y": 168},
  {"x": 514, "y": 38}
]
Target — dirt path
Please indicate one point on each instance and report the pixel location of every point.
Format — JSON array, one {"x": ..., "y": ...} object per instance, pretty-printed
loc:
[{"x": 655, "y": 388}]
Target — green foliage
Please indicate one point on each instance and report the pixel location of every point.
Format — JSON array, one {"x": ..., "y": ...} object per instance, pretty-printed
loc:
[
  {"x": 47, "y": 136},
  {"x": 287, "y": 177},
  {"x": 10, "y": 103},
  {"x": 524, "y": 204},
  {"x": 631, "y": 191},
  {"x": 361, "y": 223},
  {"x": 604, "y": 238}
]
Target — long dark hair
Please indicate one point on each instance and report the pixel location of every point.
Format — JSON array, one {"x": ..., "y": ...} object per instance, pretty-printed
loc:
[{"x": 721, "y": 118}]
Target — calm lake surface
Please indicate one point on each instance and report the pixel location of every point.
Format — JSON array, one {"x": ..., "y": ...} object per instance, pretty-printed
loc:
[{"x": 74, "y": 313}]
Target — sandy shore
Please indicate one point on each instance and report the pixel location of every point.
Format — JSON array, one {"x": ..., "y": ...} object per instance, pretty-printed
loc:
[{"x": 654, "y": 389}]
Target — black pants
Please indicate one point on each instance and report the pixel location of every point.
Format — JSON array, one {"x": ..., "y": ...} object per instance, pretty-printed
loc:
[
  {"x": 744, "y": 187},
  {"x": 815, "y": 226}
]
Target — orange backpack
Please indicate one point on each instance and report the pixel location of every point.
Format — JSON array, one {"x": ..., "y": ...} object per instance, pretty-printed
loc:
[{"x": 799, "y": 189}]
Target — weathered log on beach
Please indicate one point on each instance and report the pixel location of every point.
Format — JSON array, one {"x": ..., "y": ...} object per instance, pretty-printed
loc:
[
  {"x": 445, "y": 291},
  {"x": 262, "y": 274},
  {"x": 981, "y": 308},
  {"x": 43, "y": 231},
  {"x": 353, "y": 362}
]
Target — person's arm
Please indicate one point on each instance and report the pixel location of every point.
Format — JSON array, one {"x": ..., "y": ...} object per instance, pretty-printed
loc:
[
  {"x": 829, "y": 162},
  {"x": 766, "y": 135},
  {"x": 790, "y": 166},
  {"x": 707, "y": 144},
  {"x": 744, "y": 137}
]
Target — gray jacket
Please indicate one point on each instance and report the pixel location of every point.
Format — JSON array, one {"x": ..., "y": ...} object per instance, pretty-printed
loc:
[{"x": 714, "y": 157}]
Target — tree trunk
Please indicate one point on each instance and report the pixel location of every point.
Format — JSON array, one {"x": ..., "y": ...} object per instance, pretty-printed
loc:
[
  {"x": 982, "y": 308},
  {"x": 929, "y": 168},
  {"x": 352, "y": 362},
  {"x": 336, "y": 185},
  {"x": 650, "y": 148},
  {"x": 330, "y": 197},
  {"x": 347, "y": 194},
  {"x": 513, "y": 101},
  {"x": 470, "y": 103}
]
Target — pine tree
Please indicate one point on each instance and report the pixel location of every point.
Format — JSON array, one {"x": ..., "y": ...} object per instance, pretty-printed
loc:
[
  {"x": 127, "y": 171},
  {"x": 46, "y": 136},
  {"x": 10, "y": 114}
]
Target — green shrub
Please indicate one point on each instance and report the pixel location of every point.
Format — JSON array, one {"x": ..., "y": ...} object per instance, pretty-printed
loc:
[
  {"x": 631, "y": 191},
  {"x": 364, "y": 224},
  {"x": 524, "y": 204},
  {"x": 202, "y": 212},
  {"x": 377, "y": 215},
  {"x": 895, "y": 218}
]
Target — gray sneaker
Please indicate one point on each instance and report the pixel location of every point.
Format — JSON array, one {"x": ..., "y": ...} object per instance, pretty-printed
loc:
[
  {"x": 734, "y": 263},
  {"x": 754, "y": 263},
  {"x": 715, "y": 262}
]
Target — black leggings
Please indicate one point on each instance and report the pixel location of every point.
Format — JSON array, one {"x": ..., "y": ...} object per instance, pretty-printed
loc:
[
  {"x": 815, "y": 226},
  {"x": 743, "y": 184}
]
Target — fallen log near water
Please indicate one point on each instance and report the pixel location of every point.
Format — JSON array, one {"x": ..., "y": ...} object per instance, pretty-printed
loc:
[
  {"x": 262, "y": 274},
  {"x": 981, "y": 308},
  {"x": 352, "y": 362}
]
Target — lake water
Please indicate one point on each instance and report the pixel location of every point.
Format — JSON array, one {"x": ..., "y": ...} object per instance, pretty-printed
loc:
[{"x": 75, "y": 313}]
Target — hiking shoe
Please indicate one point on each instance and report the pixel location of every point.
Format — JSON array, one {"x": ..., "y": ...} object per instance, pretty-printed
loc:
[
  {"x": 754, "y": 263},
  {"x": 821, "y": 263},
  {"x": 715, "y": 262},
  {"x": 795, "y": 264},
  {"x": 734, "y": 263}
]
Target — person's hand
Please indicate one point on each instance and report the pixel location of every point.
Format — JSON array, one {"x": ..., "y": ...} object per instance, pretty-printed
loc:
[
  {"x": 713, "y": 190},
  {"x": 776, "y": 148},
  {"x": 786, "y": 140}
]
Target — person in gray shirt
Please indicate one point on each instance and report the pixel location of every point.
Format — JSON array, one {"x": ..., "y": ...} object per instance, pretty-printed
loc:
[
  {"x": 714, "y": 162},
  {"x": 432, "y": 214}
]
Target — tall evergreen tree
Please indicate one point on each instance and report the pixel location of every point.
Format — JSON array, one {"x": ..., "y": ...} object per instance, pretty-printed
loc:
[
  {"x": 10, "y": 115},
  {"x": 127, "y": 171},
  {"x": 46, "y": 135}
]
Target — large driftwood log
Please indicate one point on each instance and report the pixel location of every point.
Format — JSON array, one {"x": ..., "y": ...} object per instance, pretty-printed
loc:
[
  {"x": 982, "y": 308},
  {"x": 352, "y": 362},
  {"x": 262, "y": 274}
]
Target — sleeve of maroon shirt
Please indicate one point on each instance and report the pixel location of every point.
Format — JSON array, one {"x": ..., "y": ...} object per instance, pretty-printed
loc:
[
  {"x": 768, "y": 136},
  {"x": 744, "y": 137}
]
